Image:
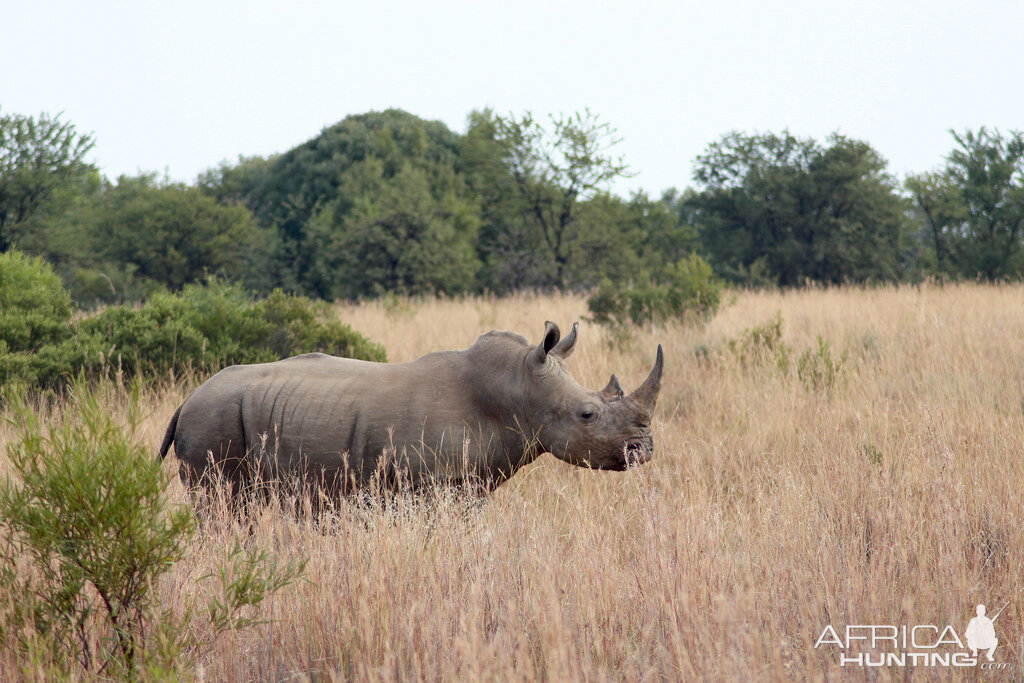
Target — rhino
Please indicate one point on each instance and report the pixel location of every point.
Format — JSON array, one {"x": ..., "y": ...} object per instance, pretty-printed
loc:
[{"x": 470, "y": 417}]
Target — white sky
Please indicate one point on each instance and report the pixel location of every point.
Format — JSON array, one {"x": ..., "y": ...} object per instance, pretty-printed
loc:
[{"x": 178, "y": 86}]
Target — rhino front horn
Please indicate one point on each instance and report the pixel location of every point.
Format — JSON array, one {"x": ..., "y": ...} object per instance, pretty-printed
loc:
[{"x": 647, "y": 393}]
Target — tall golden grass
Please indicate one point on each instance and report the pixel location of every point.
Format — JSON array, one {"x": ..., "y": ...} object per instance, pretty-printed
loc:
[{"x": 770, "y": 510}]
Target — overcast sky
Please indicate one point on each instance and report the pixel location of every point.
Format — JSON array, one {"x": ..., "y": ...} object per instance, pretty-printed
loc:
[{"x": 179, "y": 86}]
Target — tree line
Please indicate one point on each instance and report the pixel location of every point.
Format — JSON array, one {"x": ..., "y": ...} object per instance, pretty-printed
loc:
[{"x": 388, "y": 202}]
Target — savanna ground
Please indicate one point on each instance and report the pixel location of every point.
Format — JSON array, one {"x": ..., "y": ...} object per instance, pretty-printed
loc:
[{"x": 779, "y": 501}]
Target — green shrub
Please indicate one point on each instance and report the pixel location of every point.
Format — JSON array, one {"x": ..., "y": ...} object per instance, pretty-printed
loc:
[
  {"x": 761, "y": 344},
  {"x": 86, "y": 531},
  {"x": 818, "y": 370},
  {"x": 54, "y": 365},
  {"x": 873, "y": 454},
  {"x": 34, "y": 308},
  {"x": 203, "y": 327},
  {"x": 91, "y": 515},
  {"x": 291, "y": 325},
  {"x": 686, "y": 291},
  {"x": 218, "y": 324},
  {"x": 36, "y": 330}
]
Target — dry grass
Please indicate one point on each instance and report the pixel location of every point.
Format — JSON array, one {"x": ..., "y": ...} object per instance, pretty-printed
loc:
[{"x": 770, "y": 510}]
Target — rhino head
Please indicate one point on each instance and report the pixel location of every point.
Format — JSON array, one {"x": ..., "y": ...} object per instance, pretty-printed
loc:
[{"x": 605, "y": 429}]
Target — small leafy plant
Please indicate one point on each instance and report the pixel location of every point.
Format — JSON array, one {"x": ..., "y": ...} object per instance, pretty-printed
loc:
[
  {"x": 86, "y": 532},
  {"x": 818, "y": 370},
  {"x": 761, "y": 344},
  {"x": 90, "y": 517}
]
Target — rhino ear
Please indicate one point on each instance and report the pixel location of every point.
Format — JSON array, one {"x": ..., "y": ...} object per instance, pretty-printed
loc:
[
  {"x": 563, "y": 349},
  {"x": 614, "y": 390},
  {"x": 551, "y": 337}
]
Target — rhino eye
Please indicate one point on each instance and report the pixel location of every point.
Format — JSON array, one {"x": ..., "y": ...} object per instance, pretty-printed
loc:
[{"x": 588, "y": 414}]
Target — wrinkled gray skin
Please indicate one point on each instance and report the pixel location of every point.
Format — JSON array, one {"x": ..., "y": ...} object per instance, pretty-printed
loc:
[{"x": 457, "y": 417}]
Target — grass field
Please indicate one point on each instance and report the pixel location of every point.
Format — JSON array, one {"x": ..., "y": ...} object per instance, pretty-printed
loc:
[{"x": 874, "y": 478}]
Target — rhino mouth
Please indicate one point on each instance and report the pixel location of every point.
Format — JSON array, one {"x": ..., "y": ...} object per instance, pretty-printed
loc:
[
  {"x": 637, "y": 452},
  {"x": 631, "y": 453}
]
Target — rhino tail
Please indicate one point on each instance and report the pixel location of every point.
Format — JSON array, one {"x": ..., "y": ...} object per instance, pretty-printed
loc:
[{"x": 169, "y": 435}]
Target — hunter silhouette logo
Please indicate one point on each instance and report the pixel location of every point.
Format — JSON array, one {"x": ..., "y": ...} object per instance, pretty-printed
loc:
[{"x": 981, "y": 632}]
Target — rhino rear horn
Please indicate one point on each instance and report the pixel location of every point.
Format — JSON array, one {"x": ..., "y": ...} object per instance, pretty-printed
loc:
[
  {"x": 613, "y": 390},
  {"x": 551, "y": 337},
  {"x": 647, "y": 393},
  {"x": 563, "y": 349}
]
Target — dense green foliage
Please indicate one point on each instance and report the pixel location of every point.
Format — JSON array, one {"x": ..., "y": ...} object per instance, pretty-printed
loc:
[
  {"x": 203, "y": 327},
  {"x": 393, "y": 231},
  {"x": 34, "y": 308},
  {"x": 126, "y": 240},
  {"x": 216, "y": 325},
  {"x": 346, "y": 207},
  {"x": 973, "y": 209},
  {"x": 172, "y": 234},
  {"x": 554, "y": 170},
  {"x": 36, "y": 329},
  {"x": 386, "y": 202},
  {"x": 41, "y": 173},
  {"x": 86, "y": 531},
  {"x": 777, "y": 209}
]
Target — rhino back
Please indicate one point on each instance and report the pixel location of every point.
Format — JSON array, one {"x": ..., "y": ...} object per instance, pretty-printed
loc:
[{"x": 323, "y": 414}]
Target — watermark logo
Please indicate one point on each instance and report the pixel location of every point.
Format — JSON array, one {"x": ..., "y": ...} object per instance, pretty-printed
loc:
[
  {"x": 981, "y": 633},
  {"x": 877, "y": 645}
]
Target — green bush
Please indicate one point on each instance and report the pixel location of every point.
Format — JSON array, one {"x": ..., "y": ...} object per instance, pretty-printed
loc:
[
  {"x": 54, "y": 365},
  {"x": 761, "y": 344},
  {"x": 218, "y": 324},
  {"x": 34, "y": 308},
  {"x": 818, "y": 370},
  {"x": 86, "y": 531},
  {"x": 36, "y": 330},
  {"x": 686, "y": 291},
  {"x": 91, "y": 515},
  {"x": 203, "y": 327}
]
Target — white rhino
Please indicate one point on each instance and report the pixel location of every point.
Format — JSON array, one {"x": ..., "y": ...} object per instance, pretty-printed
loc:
[{"x": 470, "y": 417}]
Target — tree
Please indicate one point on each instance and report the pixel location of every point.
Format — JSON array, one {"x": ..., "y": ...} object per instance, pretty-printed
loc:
[
  {"x": 170, "y": 233},
  {"x": 555, "y": 171},
  {"x": 974, "y": 207},
  {"x": 297, "y": 186},
  {"x": 507, "y": 242},
  {"x": 238, "y": 183},
  {"x": 780, "y": 209},
  {"x": 663, "y": 228},
  {"x": 390, "y": 233},
  {"x": 41, "y": 168}
]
